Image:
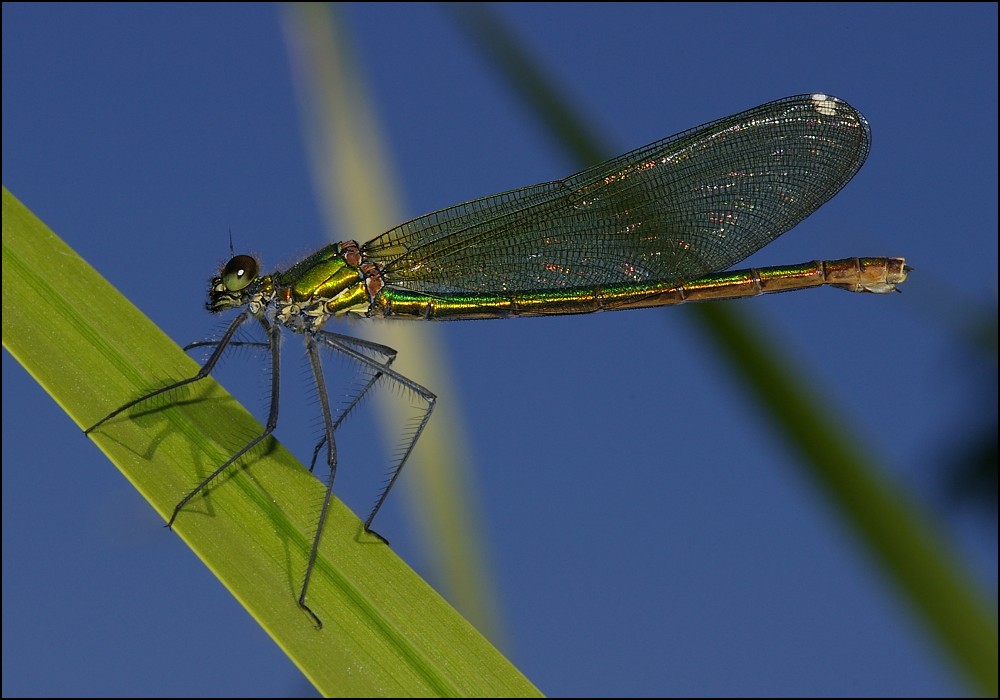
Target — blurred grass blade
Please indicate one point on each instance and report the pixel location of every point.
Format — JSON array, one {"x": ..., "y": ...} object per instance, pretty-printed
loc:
[
  {"x": 386, "y": 631},
  {"x": 899, "y": 537},
  {"x": 528, "y": 81},
  {"x": 352, "y": 171}
]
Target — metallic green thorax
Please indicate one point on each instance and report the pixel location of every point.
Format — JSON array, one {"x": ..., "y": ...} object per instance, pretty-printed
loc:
[
  {"x": 324, "y": 274},
  {"x": 327, "y": 283}
]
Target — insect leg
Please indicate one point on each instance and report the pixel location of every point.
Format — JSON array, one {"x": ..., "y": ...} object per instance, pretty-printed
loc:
[
  {"x": 331, "y": 459},
  {"x": 375, "y": 349},
  {"x": 273, "y": 331},
  {"x": 383, "y": 369}
]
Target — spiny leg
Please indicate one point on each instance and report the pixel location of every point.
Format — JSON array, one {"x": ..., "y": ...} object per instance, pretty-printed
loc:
[
  {"x": 331, "y": 459},
  {"x": 361, "y": 343},
  {"x": 336, "y": 342},
  {"x": 273, "y": 331},
  {"x": 388, "y": 354},
  {"x": 206, "y": 369},
  {"x": 234, "y": 344}
]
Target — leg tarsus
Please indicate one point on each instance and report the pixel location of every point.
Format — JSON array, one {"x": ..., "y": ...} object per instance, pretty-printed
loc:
[
  {"x": 369, "y": 531},
  {"x": 316, "y": 621}
]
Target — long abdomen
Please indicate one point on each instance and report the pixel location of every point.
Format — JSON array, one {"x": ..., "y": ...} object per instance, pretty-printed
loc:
[{"x": 874, "y": 275}]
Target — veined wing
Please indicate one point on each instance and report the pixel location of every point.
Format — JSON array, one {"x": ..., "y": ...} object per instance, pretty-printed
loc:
[{"x": 678, "y": 209}]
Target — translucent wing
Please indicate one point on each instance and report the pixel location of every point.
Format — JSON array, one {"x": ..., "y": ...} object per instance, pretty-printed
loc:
[{"x": 686, "y": 206}]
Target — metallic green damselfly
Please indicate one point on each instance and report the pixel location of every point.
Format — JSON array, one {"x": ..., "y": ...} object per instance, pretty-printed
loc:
[{"x": 654, "y": 227}]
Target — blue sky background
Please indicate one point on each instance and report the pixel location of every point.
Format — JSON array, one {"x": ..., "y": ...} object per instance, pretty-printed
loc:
[{"x": 647, "y": 533}]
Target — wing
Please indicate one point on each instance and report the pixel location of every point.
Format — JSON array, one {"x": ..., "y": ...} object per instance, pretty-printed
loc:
[{"x": 686, "y": 206}]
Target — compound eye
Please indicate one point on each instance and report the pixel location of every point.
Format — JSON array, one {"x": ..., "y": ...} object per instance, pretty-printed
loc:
[{"x": 239, "y": 272}]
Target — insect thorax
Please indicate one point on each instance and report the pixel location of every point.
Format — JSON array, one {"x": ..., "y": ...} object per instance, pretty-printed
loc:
[{"x": 334, "y": 282}]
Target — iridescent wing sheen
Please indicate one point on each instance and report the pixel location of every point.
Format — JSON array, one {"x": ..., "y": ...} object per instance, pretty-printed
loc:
[{"x": 686, "y": 206}]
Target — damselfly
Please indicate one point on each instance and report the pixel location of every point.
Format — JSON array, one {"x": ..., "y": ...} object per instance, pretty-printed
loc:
[{"x": 654, "y": 227}]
